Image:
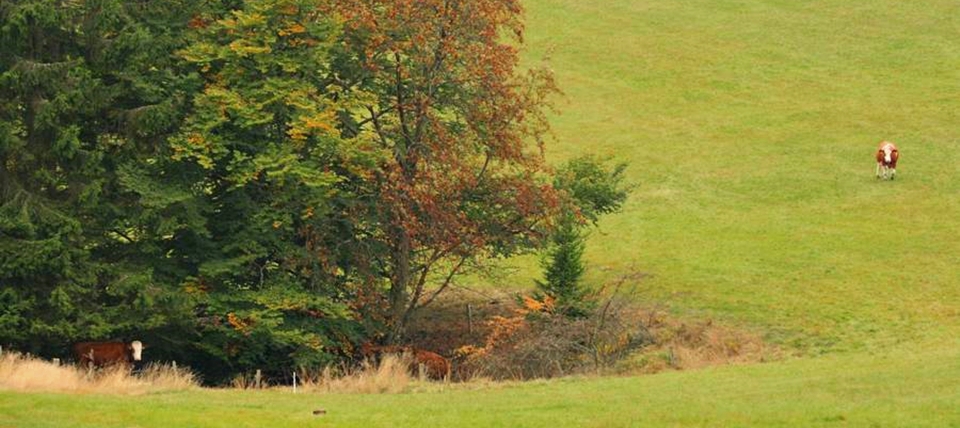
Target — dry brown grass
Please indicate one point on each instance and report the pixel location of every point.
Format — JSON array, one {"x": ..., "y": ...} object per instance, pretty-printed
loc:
[
  {"x": 27, "y": 374},
  {"x": 684, "y": 344},
  {"x": 390, "y": 376}
]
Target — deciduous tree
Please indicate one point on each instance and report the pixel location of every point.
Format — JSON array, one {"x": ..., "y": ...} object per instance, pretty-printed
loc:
[
  {"x": 436, "y": 85},
  {"x": 260, "y": 146}
]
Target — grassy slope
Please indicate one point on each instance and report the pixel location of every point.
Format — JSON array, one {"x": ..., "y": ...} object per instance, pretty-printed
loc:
[
  {"x": 893, "y": 389},
  {"x": 750, "y": 125}
]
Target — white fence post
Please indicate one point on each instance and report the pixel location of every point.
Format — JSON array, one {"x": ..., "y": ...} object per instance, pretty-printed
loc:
[
  {"x": 294, "y": 381},
  {"x": 256, "y": 379}
]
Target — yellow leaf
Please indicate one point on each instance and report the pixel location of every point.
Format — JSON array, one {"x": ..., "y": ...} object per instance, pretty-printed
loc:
[{"x": 296, "y": 28}]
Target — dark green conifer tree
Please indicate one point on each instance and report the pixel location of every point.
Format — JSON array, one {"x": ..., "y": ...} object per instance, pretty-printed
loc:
[{"x": 86, "y": 94}]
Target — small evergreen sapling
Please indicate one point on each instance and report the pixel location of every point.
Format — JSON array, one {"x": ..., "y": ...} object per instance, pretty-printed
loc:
[
  {"x": 593, "y": 189},
  {"x": 563, "y": 269}
]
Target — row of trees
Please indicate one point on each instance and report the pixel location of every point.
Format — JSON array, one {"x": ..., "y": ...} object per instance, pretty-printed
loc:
[{"x": 260, "y": 183}]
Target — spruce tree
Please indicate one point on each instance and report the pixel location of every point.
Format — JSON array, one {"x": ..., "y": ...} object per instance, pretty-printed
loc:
[
  {"x": 563, "y": 268},
  {"x": 592, "y": 188},
  {"x": 86, "y": 93}
]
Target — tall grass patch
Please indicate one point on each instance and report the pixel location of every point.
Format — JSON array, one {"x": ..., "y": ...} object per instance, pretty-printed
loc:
[
  {"x": 28, "y": 374},
  {"x": 390, "y": 375}
]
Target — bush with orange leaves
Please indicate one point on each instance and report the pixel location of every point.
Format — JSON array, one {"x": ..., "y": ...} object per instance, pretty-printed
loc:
[{"x": 539, "y": 341}]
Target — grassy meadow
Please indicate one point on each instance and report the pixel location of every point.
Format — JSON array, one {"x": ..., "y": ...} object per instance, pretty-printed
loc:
[{"x": 749, "y": 127}]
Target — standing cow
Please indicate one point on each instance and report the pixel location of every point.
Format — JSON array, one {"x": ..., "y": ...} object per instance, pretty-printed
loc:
[
  {"x": 887, "y": 156},
  {"x": 102, "y": 354}
]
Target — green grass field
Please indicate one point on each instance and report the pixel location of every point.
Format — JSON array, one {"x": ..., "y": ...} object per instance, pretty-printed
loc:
[
  {"x": 899, "y": 388},
  {"x": 749, "y": 126}
]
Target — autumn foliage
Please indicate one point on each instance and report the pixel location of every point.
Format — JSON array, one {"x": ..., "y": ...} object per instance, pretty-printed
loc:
[
  {"x": 259, "y": 183},
  {"x": 538, "y": 338},
  {"x": 436, "y": 87}
]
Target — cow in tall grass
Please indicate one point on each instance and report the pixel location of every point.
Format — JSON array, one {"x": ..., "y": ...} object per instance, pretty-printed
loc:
[
  {"x": 103, "y": 354},
  {"x": 434, "y": 365},
  {"x": 887, "y": 156}
]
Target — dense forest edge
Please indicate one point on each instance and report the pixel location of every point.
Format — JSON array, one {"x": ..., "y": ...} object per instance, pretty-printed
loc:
[{"x": 267, "y": 185}]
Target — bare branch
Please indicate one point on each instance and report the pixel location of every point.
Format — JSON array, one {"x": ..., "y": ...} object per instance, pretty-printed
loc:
[
  {"x": 123, "y": 235},
  {"x": 446, "y": 282},
  {"x": 374, "y": 117}
]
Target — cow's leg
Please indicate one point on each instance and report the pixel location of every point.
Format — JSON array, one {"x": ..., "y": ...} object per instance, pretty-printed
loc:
[
  {"x": 893, "y": 173},
  {"x": 87, "y": 362},
  {"x": 878, "y": 170}
]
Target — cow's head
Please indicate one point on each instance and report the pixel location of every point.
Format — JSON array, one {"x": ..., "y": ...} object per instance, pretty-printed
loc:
[
  {"x": 136, "y": 348},
  {"x": 887, "y": 153}
]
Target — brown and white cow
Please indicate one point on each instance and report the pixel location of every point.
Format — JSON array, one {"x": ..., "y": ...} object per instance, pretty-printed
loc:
[
  {"x": 101, "y": 354},
  {"x": 435, "y": 366},
  {"x": 887, "y": 156}
]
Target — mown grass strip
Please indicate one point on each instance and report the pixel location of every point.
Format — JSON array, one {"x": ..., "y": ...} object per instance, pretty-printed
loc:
[{"x": 902, "y": 387}]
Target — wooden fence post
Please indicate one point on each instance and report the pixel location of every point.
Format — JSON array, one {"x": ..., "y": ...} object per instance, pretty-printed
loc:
[
  {"x": 56, "y": 361},
  {"x": 256, "y": 379},
  {"x": 469, "y": 319}
]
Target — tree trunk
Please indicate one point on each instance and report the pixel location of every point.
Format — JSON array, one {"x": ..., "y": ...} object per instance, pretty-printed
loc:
[{"x": 399, "y": 283}]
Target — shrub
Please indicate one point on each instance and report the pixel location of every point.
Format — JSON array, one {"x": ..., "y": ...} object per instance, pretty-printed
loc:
[
  {"x": 540, "y": 341},
  {"x": 616, "y": 335}
]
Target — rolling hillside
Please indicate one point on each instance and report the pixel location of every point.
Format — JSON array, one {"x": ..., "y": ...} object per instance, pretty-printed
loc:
[{"x": 750, "y": 128}]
